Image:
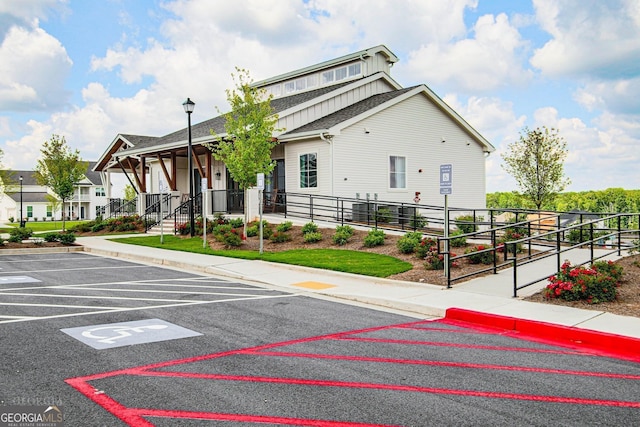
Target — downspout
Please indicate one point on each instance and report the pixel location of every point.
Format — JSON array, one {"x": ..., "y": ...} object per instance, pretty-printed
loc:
[{"x": 329, "y": 139}]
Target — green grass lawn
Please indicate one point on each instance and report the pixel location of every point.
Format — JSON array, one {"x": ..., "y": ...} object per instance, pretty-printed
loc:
[
  {"x": 41, "y": 226},
  {"x": 364, "y": 263}
]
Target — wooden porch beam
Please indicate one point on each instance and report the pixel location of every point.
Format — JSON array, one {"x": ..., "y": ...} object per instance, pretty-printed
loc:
[
  {"x": 197, "y": 160},
  {"x": 174, "y": 171},
  {"x": 134, "y": 171},
  {"x": 170, "y": 182},
  {"x": 209, "y": 170}
]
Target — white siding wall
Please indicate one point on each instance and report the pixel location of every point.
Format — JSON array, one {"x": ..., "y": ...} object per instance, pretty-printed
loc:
[
  {"x": 413, "y": 128},
  {"x": 292, "y": 164},
  {"x": 321, "y": 109}
]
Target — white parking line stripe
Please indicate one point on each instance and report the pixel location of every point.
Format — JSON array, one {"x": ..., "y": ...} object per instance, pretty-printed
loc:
[
  {"x": 91, "y": 297},
  {"x": 84, "y": 268},
  {"x": 149, "y": 307},
  {"x": 153, "y": 291},
  {"x": 15, "y": 317},
  {"x": 165, "y": 285},
  {"x": 24, "y": 304}
]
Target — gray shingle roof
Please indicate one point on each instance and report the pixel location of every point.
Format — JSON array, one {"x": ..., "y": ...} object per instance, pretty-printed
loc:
[
  {"x": 349, "y": 112},
  {"x": 27, "y": 177},
  {"x": 216, "y": 124},
  {"x": 92, "y": 176},
  {"x": 36, "y": 197}
]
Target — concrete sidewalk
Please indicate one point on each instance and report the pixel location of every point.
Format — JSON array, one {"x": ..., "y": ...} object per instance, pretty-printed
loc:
[{"x": 490, "y": 294}]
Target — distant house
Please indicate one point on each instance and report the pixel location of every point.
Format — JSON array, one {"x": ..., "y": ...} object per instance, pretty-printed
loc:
[
  {"x": 88, "y": 200},
  {"x": 350, "y": 130}
]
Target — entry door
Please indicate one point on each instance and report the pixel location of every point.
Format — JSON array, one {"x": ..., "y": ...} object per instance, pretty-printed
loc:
[
  {"x": 275, "y": 188},
  {"x": 235, "y": 196}
]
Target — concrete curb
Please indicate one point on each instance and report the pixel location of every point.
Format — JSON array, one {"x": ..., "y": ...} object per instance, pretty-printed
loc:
[
  {"x": 601, "y": 343},
  {"x": 60, "y": 249}
]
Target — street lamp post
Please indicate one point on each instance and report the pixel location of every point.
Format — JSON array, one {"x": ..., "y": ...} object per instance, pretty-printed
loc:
[
  {"x": 189, "y": 105},
  {"x": 21, "y": 215}
]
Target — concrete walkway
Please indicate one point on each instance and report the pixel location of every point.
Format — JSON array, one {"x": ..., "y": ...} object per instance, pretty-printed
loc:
[{"x": 490, "y": 294}]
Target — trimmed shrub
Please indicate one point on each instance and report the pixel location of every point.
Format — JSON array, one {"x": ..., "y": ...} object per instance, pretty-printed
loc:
[
  {"x": 279, "y": 237},
  {"x": 384, "y": 215},
  {"x": 479, "y": 256},
  {"x": 67, "y": 238},
  {"x": 17, "y": 235},
  {"x": 341, "y": 238},
  {"x": 312, "y": 237},
  {"x": 285, "y": 226},
  {"x": 510, "y": 234},
  {"x": 253, "y": 230},
  {"x": 310, "y": 227},
  {"x": 435, "y": 261},
  {"x": 407, "y": 243},
  {"x": 343, "y": 234},
  {"x": 423, "y": 248},
  {"x": 465, "y": 223},
  {"x": 581, "y": 283},
  {"x": 374, "y": 238},
  {"x": 457, "y": 242},
  {"x": 236, "y": 222},
  {"x": 51, "y": 237}
]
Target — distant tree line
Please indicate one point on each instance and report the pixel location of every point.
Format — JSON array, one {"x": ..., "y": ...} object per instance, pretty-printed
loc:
[{"x": 611, "y": 200}]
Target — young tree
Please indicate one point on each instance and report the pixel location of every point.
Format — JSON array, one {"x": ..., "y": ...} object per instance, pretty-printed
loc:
[
  {"x": 246, "y": 147},
  {"x": 129, "y": 193},
  {"x": 60, "y": 169},
  {"x": 536, "y": 161},
  {"x": 55, "y": 204}
]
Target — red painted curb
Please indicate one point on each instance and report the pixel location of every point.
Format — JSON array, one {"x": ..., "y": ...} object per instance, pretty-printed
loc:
[{"x": 602, "y": 343}]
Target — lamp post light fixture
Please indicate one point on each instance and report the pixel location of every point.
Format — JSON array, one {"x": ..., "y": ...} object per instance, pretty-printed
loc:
[
  {"x": 21, "y": 216},
  {"x": 189, "y": 106}
]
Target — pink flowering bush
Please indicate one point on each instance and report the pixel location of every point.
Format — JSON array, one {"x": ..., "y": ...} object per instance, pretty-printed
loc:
[
  {"x": 480, "y": 254},
  {"x": 435, "y": 261},
  {"x": 595, "y": 284}
]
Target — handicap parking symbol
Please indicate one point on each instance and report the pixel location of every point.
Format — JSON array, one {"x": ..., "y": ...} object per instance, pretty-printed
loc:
[{"x": 128, "y": 333}]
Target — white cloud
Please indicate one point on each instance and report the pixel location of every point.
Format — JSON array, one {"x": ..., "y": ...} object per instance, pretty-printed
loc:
[
  {"x": 33, "y": 69},
  {"x": 589, "y": 37},
  {"x": 601, "y": 156},
  {"x": 619, "y": 96},
  {"x": 24, "y": 12},
  {"x": 488, "y": 61}
]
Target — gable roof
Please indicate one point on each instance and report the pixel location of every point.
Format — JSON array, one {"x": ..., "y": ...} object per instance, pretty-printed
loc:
[
  {"x": 347, "y": 113},
  {"x": 372, "y": 51},
  {"x": 28, "y": 177},
  {"x": 338, "y": 120},
  {"x": 29, "y": 197},
  {"x": 202, "y": 131}
]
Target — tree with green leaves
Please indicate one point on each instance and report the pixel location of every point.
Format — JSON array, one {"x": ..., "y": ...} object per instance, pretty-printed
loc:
[
  {"x": 246, "y": 146},
  {"x": 6, "y": 176},
  {"x": 129, "y": 193},
  {"x": 60, "y": 169},
  {"x": 536, "y": 161},
  {"x": 55, "y": 204}
]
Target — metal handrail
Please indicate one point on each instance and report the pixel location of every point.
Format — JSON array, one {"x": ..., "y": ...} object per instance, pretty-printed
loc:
[{"x": 543, "y": 240}]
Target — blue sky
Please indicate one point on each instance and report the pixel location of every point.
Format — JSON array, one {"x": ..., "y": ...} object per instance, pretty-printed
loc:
[{"x": 90, "y": 69}]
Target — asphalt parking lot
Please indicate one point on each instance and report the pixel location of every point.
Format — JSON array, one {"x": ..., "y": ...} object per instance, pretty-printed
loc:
[{"x": 119, "y": 343}]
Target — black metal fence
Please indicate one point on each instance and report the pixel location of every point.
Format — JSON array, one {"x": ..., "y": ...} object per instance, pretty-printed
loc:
[{"x": 541, "y": 240}]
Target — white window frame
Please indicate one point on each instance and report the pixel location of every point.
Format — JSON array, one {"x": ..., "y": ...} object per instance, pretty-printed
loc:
[
  {"x": 328, "y": 77},
  {"x": 394, "y": 174},
  {"x": 341, "y": 73},
  {"x": 305, "y": 175},
  {"x": 352, "y": 72}
]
